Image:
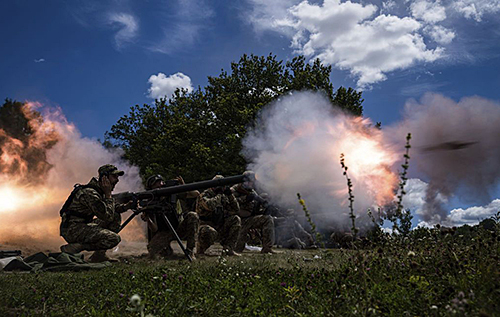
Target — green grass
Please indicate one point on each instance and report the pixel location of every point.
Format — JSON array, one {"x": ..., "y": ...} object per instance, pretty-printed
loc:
[{"x": 428, "y": 274}]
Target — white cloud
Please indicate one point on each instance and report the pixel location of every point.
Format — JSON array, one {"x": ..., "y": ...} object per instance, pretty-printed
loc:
[
  {"x": 387, "y": 6},
  {"x": 41, "y": 60},
  {"x": 475, "y": 9},
  {"x": 128, "y": 27},
  {"x": 428, "y": 11},
  {"x": 366, "y": 40},
  {"x": 470, "y": 216},
  {"x": 351, "y": 36},
  {"x": 415, "y": 195},
  {"x": 473, "y": 215},
  {"x": 162, "y": 86},
  {"x": 267, "y": 14},
  {"x": 440, "y": 34},
  {"x": 185, "y": 26}
]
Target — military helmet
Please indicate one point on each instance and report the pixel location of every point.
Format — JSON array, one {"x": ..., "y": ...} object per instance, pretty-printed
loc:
[
  {"x": 109, "y": 169},
  {"x": 153, "y": 179}
]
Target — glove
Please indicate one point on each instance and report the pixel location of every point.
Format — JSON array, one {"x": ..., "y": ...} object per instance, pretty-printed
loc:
[{"x": 228, "y": 191}]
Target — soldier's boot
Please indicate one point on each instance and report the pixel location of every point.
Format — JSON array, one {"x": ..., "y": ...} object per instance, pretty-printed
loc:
[
  {"x": 229, "y": 252},
  {"x": 100, "y": 256},
  {"x": 72, "y": 248},
  {"x": 191, "y": 254},
  {"x": 200, "y": 249},
  {"x": 240, "y": 246},
  {"x": 168, "y": 251},
  {"x": 269, "y": 250}
]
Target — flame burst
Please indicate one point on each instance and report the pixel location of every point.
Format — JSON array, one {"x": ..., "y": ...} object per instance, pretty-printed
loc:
[
  {"x": 41, "y": 158},
  {"x": 297, "y": 148},
  {"x": 368, "y": 159}
]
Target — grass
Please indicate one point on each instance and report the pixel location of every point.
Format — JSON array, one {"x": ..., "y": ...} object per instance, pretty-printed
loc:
[{"x": 427, "y": 274}]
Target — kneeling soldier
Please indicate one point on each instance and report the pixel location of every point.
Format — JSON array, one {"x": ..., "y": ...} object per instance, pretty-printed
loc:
[
  {"x": 251, "y": 206},
  {"x": 218, "y": 210},
  {"x": 90, "y": 217},
  {"x": 175, "y": 208}
]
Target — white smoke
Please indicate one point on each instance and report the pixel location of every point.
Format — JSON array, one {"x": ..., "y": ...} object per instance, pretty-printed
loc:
[
  {"x": 34, "y": 223},
  {"x": 454, "y": 149},
  {"x": 296, "y": 147}
]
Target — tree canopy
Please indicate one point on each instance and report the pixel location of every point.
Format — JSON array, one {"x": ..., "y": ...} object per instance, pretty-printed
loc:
[{"x": 198, "y": 134}]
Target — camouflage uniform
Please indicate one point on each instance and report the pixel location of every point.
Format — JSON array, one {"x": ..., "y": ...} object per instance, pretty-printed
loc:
[
  {"x": 187, "y": 229},
  {"x": 290, "y": 233},
  {"x": 250, "y": 220},
  {"x": 177, "y": 209},
  {"x": 225, "y": 226},
  {"x": 98, "y": 233}
]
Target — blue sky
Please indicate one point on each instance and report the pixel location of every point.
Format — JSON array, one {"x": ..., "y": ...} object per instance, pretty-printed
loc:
[{"x": 96, "y": 59}]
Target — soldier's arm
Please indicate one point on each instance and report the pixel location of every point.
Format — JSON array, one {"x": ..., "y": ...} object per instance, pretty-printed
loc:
[
  {"x": 234, "y": 206},
  {"x": 103, "y": 209},
  {"x": 121, "y": 208},
  {"x": 205, "y": 204}
]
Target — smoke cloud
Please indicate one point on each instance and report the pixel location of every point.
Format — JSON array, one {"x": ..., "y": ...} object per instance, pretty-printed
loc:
[
  {"x": 29, "y": 211},
  {"x": 454, "y": 149},
  {"x": 296, "y": 147}
]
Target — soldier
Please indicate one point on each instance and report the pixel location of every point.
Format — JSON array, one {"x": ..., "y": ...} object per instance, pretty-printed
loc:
[
  {"x": 290, "y": 233},
  {"x": 218, "y": 210},
  {"x": 251, "y": 205},
  {"x": 184, "y": 222},
  {"x": 79, "y": 227}
]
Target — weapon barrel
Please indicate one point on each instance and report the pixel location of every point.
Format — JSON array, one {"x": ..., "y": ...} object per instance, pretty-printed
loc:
[{"x": 165, "y": 191}]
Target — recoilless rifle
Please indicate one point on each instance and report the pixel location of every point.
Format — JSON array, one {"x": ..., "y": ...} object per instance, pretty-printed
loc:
[{"x": 168, "y": 194}]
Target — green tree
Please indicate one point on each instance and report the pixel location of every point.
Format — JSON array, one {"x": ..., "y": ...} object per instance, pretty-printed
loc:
[{"x": 199, "y": 134}]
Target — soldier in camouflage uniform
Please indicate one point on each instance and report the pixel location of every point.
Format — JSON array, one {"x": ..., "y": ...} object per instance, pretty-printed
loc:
[
  {"x": 251, "y": 206},
  {"x": 218, "y": 210},
  {"x": 90, "y": 217},
  {"x": 290, "y": 233},
  {"x": 184, "y": 221}
]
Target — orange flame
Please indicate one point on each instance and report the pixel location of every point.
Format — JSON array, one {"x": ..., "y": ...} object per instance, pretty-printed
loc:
[
  {"x": 369, "y": 161},
  {"x": 30, "y": 195}
]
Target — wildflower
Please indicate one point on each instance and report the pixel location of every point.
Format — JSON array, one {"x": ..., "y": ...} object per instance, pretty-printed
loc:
[
  {"x": 131, "y": 272},
  {"x": 411, "y": 253},
  {"x": 135, "y": 300},
  {"x": 43, "y": 299},
  {"x": 283, "y": 284},
  {"x": 164, "y": 276},
  {"x": 122, "y": 295},
  {"x": 180, "y": 277}
]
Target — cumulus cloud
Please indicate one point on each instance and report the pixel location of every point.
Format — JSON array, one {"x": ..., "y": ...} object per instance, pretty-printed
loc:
[
  {"x": 428, "y": 11},
  {"x": 352, "y": 37},
  {"x": 473, "y": 215},
  {"x": 163, "y": 86},
  {"x": 127, "y": 26},
  {"x": 440, "y": 34},
  {"x": 469, "y": 216},
  {"x": 367, "y": 40},
  {"x": 475, "y": 9}
]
